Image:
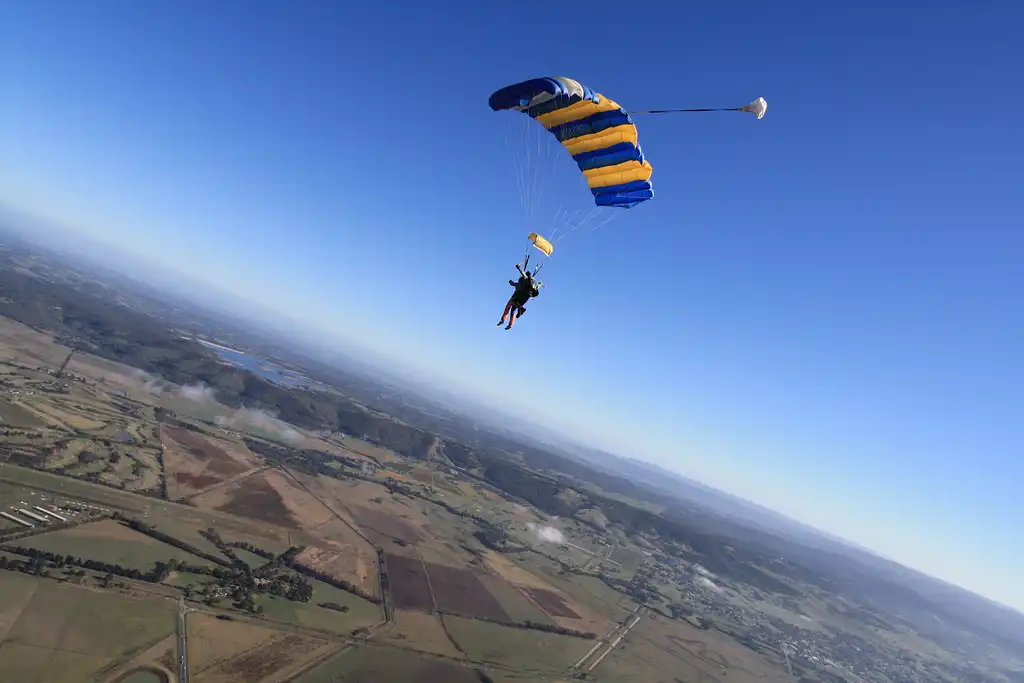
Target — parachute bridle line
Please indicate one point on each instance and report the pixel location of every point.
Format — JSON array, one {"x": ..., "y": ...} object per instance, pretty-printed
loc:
[
  {"x": 681, "y": 111},
  {"x": 758, "y": 108}
]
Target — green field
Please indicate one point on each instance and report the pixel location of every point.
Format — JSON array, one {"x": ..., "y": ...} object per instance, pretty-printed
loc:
[
  {"x": 59, "y": 633},
  {"x": 182, "y": 580},
  {"x": 517, "y": 607},
  {"x": 369, "y": 663},
  {"x": 124, "y": 547},
  {"x": 14, "y": 415},
  {"x": 142, "y": 676},
  {"x": 521, "y": 648},
  {"x": 361, "y": 612}
]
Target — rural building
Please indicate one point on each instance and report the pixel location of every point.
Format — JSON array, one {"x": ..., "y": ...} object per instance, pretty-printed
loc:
[
  {"x": 19, "y": 520},
  {"x": 51, "y": 513},
  {"x": 33, "y": 515}
]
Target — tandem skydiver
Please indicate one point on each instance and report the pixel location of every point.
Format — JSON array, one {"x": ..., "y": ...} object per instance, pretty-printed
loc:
[{"x": 526, "y": 288}]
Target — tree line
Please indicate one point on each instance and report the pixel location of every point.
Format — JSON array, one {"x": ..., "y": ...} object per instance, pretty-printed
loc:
[{"x": 158, "y": 535}]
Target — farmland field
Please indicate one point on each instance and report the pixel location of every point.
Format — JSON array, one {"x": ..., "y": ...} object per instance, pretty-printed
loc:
[
  {"x": 511, "y": 646},
  {"x": 360, "y": 614},
  {"x": 410, "y": 588},
  {"x": 111, "y": 542},
  {"x": 664, "y": 651},
  {"x": 459, "y": 591},
  {"x": 14, "y": 415},
  {"x": 229, "y": 651},
  {"x": 355, "y": 562},
  {"x": 552, "y": 603},
  {"x": 269, "y": 496},
  {"x": 195, "y": 462},
  {"x": 512, "y": 601},
  {"x": 419, "y": 631},
  {"x": 369, "y": 663},
  {"x": 65, "y": 633}
]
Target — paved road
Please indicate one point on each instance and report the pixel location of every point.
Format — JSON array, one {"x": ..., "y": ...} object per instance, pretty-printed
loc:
[
  {"x": 182, "y": 643},
  {"x": 609, "y": 641}
]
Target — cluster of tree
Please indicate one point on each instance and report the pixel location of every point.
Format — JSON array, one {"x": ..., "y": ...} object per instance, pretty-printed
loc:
[
  {"x": 528, "y": 625},
  {"x": 240, "y": 583},
  {"x": 213, "y": 537},
  {"x": 16, "y": 456},
  {"x": 680, "y": 611},
  {"x": 23, "y": 432},
  {"x": 289, "y": 558},
  {"x": 552, "y": 628},
  {"x": 492, "y": 537},
  {"x": 36, "y": 566},
  {"x": 265, "y": 554},
  {"x": 333, "y": 606},
  {"x": 161, "y": 488},
  {"x": 336, "y": 582}
]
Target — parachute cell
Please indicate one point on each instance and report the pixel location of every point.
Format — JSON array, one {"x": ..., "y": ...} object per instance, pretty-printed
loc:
[
  {"x": 596, "y": 131},
  {"x": 541, "y": 243}
]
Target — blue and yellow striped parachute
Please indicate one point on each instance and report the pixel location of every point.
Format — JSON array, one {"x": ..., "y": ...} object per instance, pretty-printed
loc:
[{"x": 599, "y": 134}]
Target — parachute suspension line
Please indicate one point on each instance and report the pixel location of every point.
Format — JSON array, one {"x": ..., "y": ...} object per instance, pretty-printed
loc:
[
  {"x": 516, "y": 169},
  {"x": 557, "y": 226},
  {"x": 608, "y": 219},
  {"x": 575, "y": 225}
]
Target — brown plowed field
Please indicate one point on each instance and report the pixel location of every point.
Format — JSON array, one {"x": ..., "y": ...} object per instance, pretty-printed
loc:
[
  {"x": 260, "y": 663},
  {"x": 270, "y": 496},
  {"x": 260, "y": 500},
  {"x": 459, "y": 591},
  {"x": 195, "y": 462},
  {"x": 386, "y": 524},
  {"x": 408, "y": 583},
  {"x": 550, "y": 602}
]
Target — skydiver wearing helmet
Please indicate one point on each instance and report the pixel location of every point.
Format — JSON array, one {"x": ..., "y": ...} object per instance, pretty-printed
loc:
[{"x": 525, "y": 289}]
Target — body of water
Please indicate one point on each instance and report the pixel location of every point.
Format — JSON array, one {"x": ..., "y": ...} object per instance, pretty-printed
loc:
[{"x": 264, "y": 368}]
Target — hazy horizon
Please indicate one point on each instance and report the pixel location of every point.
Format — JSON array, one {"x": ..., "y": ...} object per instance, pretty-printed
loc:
[{"x": 816, "y": 313}]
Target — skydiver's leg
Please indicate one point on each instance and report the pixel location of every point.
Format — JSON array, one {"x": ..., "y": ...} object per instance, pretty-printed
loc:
[
  {"x": 508, "y": 307},
  {"x": 511, "y": 319}
]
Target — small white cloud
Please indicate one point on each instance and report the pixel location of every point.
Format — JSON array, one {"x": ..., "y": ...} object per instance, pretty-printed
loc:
[
  {"x": 260, "y": 419},
  {"x": 705, "y": 582},
  {"x": 197, "y": 392},
  {"x": 546, "y": 534}
]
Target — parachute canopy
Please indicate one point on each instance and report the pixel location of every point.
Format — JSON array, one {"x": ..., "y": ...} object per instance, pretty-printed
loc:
[
  {"x": 597, "y": 132},
  {"x": 541, "y": 243}
]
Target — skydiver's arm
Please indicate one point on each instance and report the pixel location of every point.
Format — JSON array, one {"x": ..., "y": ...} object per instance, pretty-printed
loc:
[
  {"x": 519, "y": 268},
  {"x": 512, "y": 282}
]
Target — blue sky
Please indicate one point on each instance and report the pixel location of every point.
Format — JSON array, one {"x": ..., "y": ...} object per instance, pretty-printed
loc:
[{"x": 819, "y": 311}]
